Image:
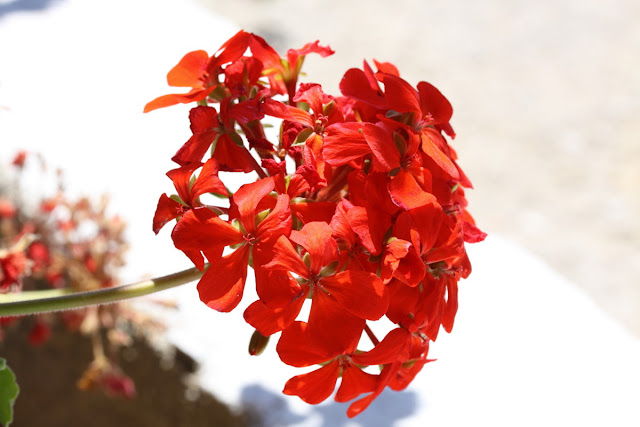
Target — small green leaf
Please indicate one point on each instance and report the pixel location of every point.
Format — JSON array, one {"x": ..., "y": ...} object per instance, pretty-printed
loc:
[{"x": 8, "y": 393}]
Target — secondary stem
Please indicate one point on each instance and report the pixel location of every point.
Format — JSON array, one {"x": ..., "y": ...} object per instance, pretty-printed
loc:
[
  {"x": 371, "y": 335},
  {"x": 35, "y": 302}
]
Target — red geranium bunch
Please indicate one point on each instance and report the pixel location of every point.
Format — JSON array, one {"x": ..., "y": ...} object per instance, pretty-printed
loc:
[{"x": 358, "y": 209}]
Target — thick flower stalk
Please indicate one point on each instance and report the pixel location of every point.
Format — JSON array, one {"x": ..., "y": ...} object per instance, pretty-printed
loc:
[{"x": 358, "y": 210}]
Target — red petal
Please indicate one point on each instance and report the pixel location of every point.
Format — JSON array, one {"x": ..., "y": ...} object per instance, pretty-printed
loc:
[
  {"x": 231, "y": 156},
  {"x": 387, "y": 67},
  {"x": 340, "y": 224},
  {"x": 427, "y": 220},
  {"x": 387, "y": 351},
  {"x": 222, "y": 285},
  {"x": 393, "y": 253},
  {"x": 286, "y": 258},
  {"x": 278, "y": 109},
  {"x": 431, "y": 142},
  {"x": 181, "y": 178},
  {"x": 385, "y": 376},
  {"x": 313, "y": 211},
  {"x": 204, "y": 125},
  {"x": 167, "y": 210},
  {"x": 356, "y": 85},
  {"x": 361, "y": 293},
  {"x": 231, "y": 50},
  {"x": 276, "y": 288},
  {"x": 297, "y": 348},
  {"x": 400, "y": 95},
  {"x": 208, "y": 181},
  {"x": 312, "y": 95},
  {"x": 193, "y": 95},
  {"x": 316, "y": 238},
  {"x": 269, "y": 321},
  {"x": 315, "y": 386},
  {"x": 333, "y": 329},
  {"x": 313, "y": 47},
  {"x": 278, "y": 222},
  {"x": 472, "y": 234},
  {"x": 370, "y": 225},
  {"x": 189, "y": 70},
  {"x": 355, "y": 382},
  {"x": 246, "y": 200},
  {"x": 383, "y": 147},
  {"x": 433, "y": 102},
  {"x": 344, "y": 142},
  {"x": 200, "y": 228},
  {"x": 451, "y": 307},
  {"x": 406, "y": 193}
]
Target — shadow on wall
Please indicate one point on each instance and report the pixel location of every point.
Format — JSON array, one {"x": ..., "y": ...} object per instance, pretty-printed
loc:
[
  {"x": 25, "y": 6},
  {"x": 271, "y": 409}
]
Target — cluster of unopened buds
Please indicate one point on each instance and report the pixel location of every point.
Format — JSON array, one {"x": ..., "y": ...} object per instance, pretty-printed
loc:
[
  {"x": 59, "y": 242},
  {"x": 358, "y": 209}
]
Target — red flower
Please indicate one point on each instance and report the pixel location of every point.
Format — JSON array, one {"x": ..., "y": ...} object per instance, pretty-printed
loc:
[
  {"x": 200, "y": 72},
  {"x": 201, "y": 229},
  {"x": 299, "y": 348},
  {"x": 188, "y": 192}
]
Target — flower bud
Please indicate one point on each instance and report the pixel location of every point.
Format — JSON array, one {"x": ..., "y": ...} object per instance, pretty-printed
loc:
[{"x": 258, "y": 343}]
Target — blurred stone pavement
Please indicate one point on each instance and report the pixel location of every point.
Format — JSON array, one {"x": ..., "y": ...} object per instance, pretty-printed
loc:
[{"x": 546, "y": 100}]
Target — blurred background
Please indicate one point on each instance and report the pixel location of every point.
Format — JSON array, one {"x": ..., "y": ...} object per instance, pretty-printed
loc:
[{"x": 546, "y": 99}]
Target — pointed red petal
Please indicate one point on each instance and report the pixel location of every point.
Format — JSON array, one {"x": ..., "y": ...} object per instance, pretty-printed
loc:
[
  {"x": 163, "y": 101},
  {"x": 385, "y": 376},
  {"x": 387, "y": 351},
  {"x": 181, "y": 178},
  {"x": 355, "y": 382},
  {"x": 231, "y": 50},
  {"x": 208, "y": 181},
  {"x": 451, "y": 307},
  {"x": 431, "y": 142},
  {"x": 167, "y": 210}
]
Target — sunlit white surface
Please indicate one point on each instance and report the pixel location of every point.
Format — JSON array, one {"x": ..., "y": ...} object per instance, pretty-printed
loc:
[{"x": 528, "y": 347}]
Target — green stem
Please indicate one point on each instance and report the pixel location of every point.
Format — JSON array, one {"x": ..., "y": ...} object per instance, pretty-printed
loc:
[{"x": 35, "y": 302}]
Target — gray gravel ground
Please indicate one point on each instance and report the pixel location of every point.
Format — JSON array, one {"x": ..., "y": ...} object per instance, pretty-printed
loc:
[{"x": 547, "y": 100}]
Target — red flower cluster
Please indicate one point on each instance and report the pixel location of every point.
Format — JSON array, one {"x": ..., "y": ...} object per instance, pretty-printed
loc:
[{"x": 361, "y": 211}]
